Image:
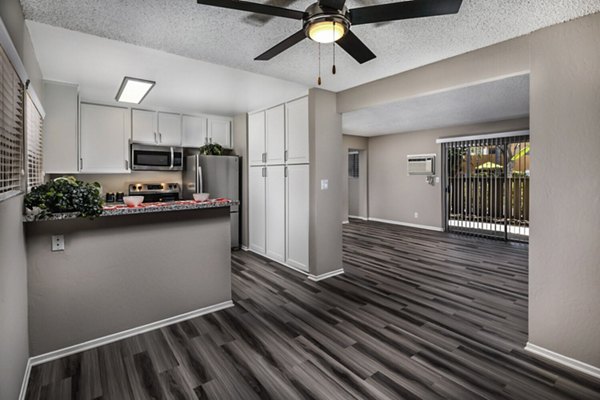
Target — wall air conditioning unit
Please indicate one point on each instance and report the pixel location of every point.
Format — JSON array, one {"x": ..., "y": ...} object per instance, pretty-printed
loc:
[{"x": 421, "y": 164}]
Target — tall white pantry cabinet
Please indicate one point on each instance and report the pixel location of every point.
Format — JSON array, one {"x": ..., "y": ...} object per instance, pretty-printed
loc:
[{"x": 278, "y": 183}]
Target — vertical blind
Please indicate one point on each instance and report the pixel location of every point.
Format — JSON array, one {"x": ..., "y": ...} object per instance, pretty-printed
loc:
[
  {"x": 33, "y": 127},
  {"x": 11, "y": 129}
]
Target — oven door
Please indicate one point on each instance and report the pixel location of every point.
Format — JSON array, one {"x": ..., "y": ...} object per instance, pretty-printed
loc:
[{"x": 156, "y": 158}]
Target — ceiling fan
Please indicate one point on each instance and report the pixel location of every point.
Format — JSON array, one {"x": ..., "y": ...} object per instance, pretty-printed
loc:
[{"x": 328, "y": 21}]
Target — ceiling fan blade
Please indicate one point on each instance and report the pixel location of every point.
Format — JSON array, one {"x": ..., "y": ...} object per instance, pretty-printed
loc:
[
  {"x": 282, "y": 46},
  {"x": 261, "y": 19},
  {"x": 357, "y": 49},
  {"x": 403, "y": 10},
  {"x": 335, "y": 4},
  {"x": 254, "y": 7}
]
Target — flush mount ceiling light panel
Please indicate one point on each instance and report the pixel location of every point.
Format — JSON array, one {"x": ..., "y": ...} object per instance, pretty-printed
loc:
[
  {"x": 329, "y": 21},
  {"x": 133, "y": 90}
]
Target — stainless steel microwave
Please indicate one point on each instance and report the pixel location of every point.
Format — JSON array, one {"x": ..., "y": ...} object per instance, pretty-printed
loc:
[{"x": 156, "y": 158}]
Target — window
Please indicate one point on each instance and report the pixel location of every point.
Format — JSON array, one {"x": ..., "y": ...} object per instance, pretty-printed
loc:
[
  {"x": 11, "y": 129},
  {"x": 33, "y": 127},
  {"x": 353, "y": 166}
]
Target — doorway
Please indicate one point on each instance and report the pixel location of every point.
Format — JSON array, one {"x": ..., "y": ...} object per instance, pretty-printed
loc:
[
  {"x": 357, "y": 184},
  {"x": 487, "y": 184}
]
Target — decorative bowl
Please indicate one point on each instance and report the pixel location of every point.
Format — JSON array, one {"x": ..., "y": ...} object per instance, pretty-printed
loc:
[
  {"x": 201, "y": 196},
  {"x": 133, "y": 201}
]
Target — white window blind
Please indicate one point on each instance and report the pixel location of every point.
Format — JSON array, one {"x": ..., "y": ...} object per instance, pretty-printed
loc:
[
  {"x": 33, "y": 127},
  {"x": 11, "y": 129}
]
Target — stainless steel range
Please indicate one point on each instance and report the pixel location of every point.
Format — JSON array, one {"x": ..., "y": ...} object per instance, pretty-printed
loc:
[{"x": 156, "y": 192}]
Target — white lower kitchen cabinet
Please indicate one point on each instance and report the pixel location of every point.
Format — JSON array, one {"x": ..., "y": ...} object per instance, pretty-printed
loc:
[
  {"x": 257, "y": 209},
  {"x": 104, "y": 139},
  {"x": 297, "y": 200},
  {"x": 275, "y": 204}
]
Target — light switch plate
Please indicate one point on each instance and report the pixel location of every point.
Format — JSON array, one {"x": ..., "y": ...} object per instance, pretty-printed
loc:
[
  {"x": 324, "y": 184},
  {"x": 58, "y": 242},
  {"x": 437, "y": 179}
]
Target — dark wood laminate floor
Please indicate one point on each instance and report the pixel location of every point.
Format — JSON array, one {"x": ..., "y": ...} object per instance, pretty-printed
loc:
[{"x": 417, "y": 315}]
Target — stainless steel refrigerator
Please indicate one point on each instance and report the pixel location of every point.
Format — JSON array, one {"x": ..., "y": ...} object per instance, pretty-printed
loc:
[{"x": 219, "y": 176}]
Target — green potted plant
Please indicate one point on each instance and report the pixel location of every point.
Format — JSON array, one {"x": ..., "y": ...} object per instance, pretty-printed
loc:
[
  {"x": 64, "y": 195},
  {"x": 211, "y": 149}
]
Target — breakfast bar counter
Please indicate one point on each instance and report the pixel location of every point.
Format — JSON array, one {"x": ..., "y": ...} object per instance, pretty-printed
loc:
[{"x": 143, "y": 267}]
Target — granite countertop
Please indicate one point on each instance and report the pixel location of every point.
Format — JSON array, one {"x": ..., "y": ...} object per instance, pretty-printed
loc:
[{"x": 144, "y": 208}]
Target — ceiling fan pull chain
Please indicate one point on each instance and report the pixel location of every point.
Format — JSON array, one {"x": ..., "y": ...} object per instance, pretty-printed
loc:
[
  {"x": 319, "y": 79},
  {"x": 333, "y": 44}
]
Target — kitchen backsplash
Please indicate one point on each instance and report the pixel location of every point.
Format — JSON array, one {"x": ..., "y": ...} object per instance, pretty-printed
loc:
[{"x": 120, "y": 182}]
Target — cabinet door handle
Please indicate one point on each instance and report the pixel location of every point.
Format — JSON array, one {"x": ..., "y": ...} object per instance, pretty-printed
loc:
[
  {"x": 80, "y": 164},
  {"x": 160, "y": 137},
  {"x": 155, "y": 138},
  {"x": 285, "y": 155},
  {"x": 264, "y": 157},
  {"x": 127, "y": 164},
  {"x": 285, "y": 172},
  {"x": 264, "y": 172}
]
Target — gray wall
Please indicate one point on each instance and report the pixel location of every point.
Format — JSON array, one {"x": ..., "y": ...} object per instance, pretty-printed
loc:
[
  {"x": 564, "y": 259},
  {"x": 353, "y": 186},
  {"x": 326, "y": 161},
  {"x": 121, "y": 272},
  {"x": 14, "y": 347},
  {"x": 240, "y": 147},
  {"x": 395, "y": 196},
  {"x": 564, "y": 64}
]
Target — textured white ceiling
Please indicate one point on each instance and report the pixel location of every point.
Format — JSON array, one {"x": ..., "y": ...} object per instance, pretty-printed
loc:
[
  {"x": 226, "y": 37},
  {"x": 491, "y": 101},
  {"x": 183, "y": 84}
]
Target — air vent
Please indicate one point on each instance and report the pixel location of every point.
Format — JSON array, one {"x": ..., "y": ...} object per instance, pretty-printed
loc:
[{"x": 421, "y": 164}]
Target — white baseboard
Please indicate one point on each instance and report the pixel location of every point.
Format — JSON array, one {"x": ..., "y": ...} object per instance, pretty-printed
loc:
[
  {"x": 90, "y": 344},
  {"x": 563, "y": 360},
  {"x": 357, "y": 217},
  {"x": 428, "y": 227},
  {"x": 318, "y": 278},
  {"x": 23, "y": 391}
]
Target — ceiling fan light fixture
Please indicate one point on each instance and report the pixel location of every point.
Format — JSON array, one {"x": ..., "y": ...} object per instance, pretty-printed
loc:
[{"x": 327, "y": 31}]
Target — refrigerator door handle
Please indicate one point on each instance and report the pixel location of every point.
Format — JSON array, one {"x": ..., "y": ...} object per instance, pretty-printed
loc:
[{"x": 200, "y": 185}]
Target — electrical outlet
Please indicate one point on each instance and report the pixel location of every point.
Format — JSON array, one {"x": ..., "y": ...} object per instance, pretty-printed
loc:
[
  {"x": 416, "y": 215},
  {"x": 58, "y": 242},
  {"x": 324, "y": 184},
  {"x": 437, "y": 179}
]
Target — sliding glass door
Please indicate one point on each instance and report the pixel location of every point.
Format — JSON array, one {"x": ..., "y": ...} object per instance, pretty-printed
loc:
[{"x": 487, "y": 187}]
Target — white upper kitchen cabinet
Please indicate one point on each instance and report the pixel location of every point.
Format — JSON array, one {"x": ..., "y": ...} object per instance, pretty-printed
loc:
[
  {"x": 169, "y": 129},
  {"x": 104, "y": 139},
  {"x": 256, "y": 138},
  {"x": 275, "y": 135},
  {"x": 296, "y": 133},
  {"x": 61, "y": 103},
  {"x": 256, "y": 209},
  {"x": 297, "y": 200},
  {"x": 219, "y": 131},
  {"x": 143, "y": 126},
  {"x": 194, "y": 131},
  {"x": 275, "y": 212}
]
